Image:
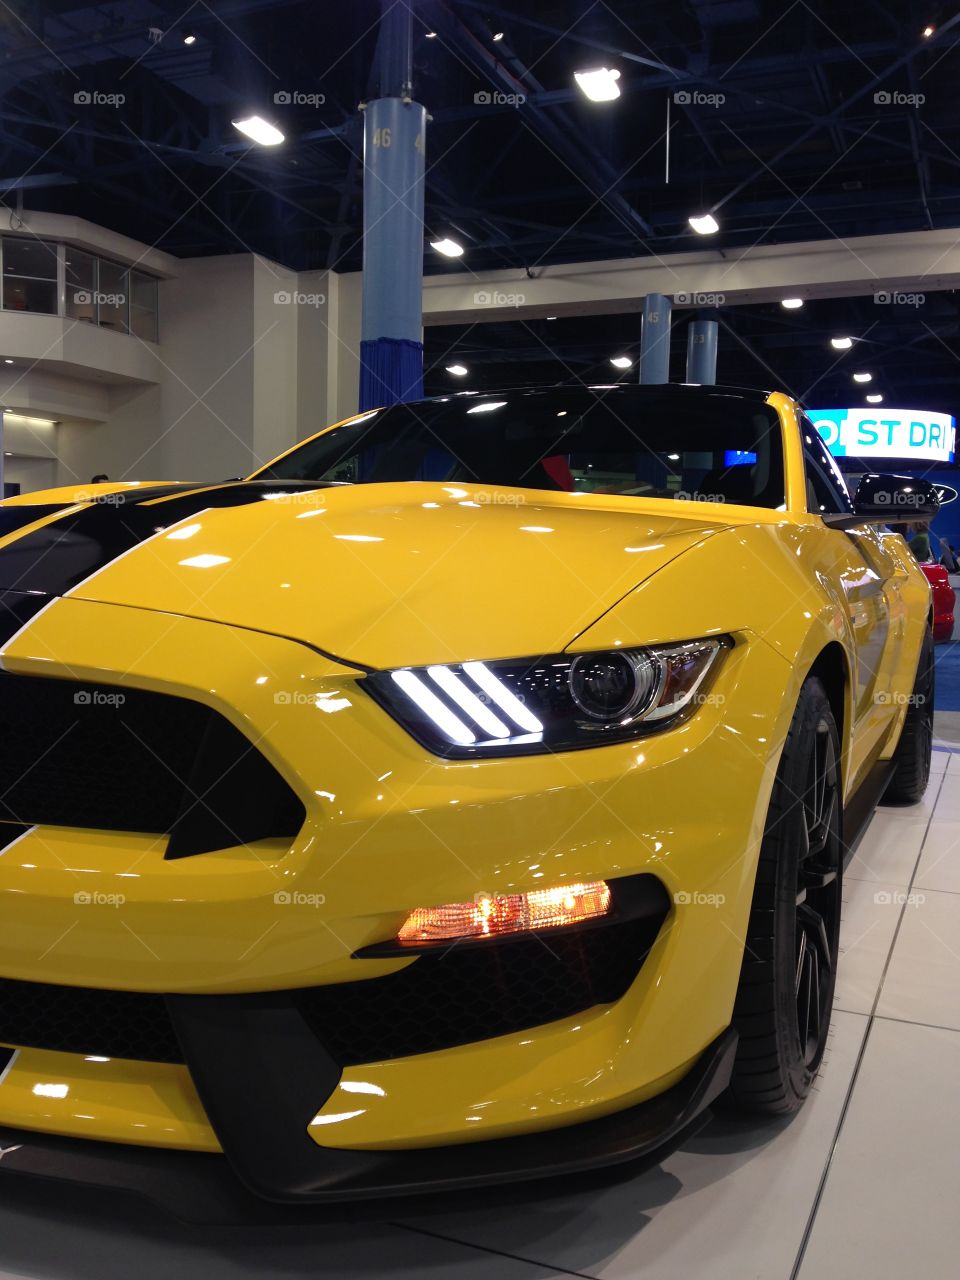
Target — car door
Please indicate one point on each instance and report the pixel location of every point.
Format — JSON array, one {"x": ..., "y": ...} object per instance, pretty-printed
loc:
[{"x": 871, "y": 580}]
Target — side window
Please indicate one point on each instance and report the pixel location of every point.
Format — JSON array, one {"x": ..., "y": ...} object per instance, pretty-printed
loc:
[{"x": 826, "y": 490}]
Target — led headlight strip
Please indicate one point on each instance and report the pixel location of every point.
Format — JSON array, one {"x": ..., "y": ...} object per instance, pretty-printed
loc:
[{"x": 558, "y": 702}]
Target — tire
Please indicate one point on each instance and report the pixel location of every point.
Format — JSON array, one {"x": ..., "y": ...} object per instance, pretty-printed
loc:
[
  {"x": 785, "y": 996},
  {"x": 915, "y": 748}
]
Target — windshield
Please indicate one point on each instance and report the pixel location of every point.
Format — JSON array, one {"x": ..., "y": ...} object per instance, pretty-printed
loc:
[{"x": 670, "y": 443}]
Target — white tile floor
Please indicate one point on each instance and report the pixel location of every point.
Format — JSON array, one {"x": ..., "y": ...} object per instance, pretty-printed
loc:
[{"x": 863, "y": 1182}]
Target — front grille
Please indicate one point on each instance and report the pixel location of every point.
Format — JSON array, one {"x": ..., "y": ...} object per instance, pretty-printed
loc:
[
  {"x": 108, "y": 1024},
  {"x": 437, "y": 1002},
  {"x": 121, "y": 759}
]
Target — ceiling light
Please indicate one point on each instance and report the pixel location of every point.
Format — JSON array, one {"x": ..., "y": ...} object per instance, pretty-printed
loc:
[
  {"x": 621, "y": 362},
  {"x": 704, "y": 225},
  {"x": 449, "y": 248},
  {"x": 791, "y": 304},
  {"x": 841, "y": 344},
  {"x": 458, "y": 370},
  {"x": 928, "y": 32},
  {"x": 863, "y": 377},
  {"x": 600, "y": 84},
  {"x": 497, "y": 36},
  {"x": 431, "y": 35},
  {"x": 551, "y": 317},
  {"x": 7, "y": 360},
  {"x": 259, "y": 130},
  {"x": 190, "y": 38},
  {"x": 877, "y": 399}
]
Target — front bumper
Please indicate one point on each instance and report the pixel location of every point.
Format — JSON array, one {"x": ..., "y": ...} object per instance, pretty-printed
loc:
[
  {"x": 388, "y": 828},
  {"x": 244, "y": 1187}
]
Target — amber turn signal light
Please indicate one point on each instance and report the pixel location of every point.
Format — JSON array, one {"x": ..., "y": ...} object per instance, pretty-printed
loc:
[{"x": 494, "y": 916}]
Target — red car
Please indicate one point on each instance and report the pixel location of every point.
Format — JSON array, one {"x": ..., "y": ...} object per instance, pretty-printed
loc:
[{"x": 944, "y": 597}]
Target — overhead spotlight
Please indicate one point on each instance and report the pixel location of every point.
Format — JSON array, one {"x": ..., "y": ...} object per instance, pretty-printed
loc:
[
  {"x": 928, "y": 32},
  {"x": 189, "y": 38},
  {"x": 431, "y": 35},
  {"x": 449, "y": 248},
  {"x": 878, "y": 399},
  {"x": 841, "y": 344},
  {"x": 497, "y": 37},
  {"x": 705, "y": 224},
  {"x": 259, "y": 130},
  {"x": 791, "y": 304},
  {"x": 621, "y": 362},
  {"x": 551, "y": 317},
  {"x": 7, "y": 360},
  {"x": 863, "y": 377},
  {"x": 599, "y": 84},
  {"x": 458, "y": 370}
]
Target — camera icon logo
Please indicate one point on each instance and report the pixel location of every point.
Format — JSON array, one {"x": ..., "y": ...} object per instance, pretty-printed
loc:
[
  {"x": 82, "y": 898},
  {"x": 283, "y": 97},
  {"x": 82, "y": 98},
  {"x": 282, "y": 898},
  {"x": 882, "y": 298},
  {"x": 283, "y": 298},
  {"x": 481, "y": 298},
  {"x": 483, "y": 98},
  {"x": 682, "y": 97},
  {"x": 882, "y": 98},
  {"x": 82, "y": 698},
  {"x": 682, "y": 899},
  {"x": 882, "y": 497}
]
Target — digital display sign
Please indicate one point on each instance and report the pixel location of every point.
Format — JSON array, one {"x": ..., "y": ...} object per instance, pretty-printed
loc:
[{"x": 879, "y": 432}]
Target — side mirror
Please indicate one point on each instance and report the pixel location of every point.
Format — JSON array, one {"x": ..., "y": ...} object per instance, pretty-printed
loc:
[{"x": 889, "y": 499}]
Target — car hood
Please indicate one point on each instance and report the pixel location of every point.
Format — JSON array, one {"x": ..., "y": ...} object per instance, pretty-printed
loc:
[{"x": 388, "y": 574}]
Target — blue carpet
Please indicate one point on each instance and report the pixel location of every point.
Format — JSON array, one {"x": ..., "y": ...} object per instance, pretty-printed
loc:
[{"x": 947, "y": 697}]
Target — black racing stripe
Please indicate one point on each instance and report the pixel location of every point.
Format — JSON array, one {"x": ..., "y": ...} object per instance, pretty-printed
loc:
[
  {"x": 55, "y": 558},
  {"x": 16, "y": 609},
  {"x": 14, "y": 518}
]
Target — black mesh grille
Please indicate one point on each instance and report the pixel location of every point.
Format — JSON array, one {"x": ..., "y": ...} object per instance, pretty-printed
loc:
[
  {"x": 109, "y": 1024},
  {"x": 470, "y": 994},
  {"x": 437, "y": 1002},
  {"x": 121, "y": 759}
]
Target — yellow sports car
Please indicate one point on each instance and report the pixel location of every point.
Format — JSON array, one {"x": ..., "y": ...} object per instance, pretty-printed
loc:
[{"x": 463, "y": 797}]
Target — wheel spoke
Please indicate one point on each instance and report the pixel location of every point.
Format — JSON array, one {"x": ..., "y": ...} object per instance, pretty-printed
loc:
[{"x": 818, "y": 893}]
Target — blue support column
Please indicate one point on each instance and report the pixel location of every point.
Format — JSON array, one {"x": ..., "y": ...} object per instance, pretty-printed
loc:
[
  {"x": 394, "y": 136},
  {"x": 702, "y": 352},
  {"x": 655, "y": 339}
]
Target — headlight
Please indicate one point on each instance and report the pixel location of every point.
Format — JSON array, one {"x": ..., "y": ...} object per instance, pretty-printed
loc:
[{"x": 554, "y": 703}]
